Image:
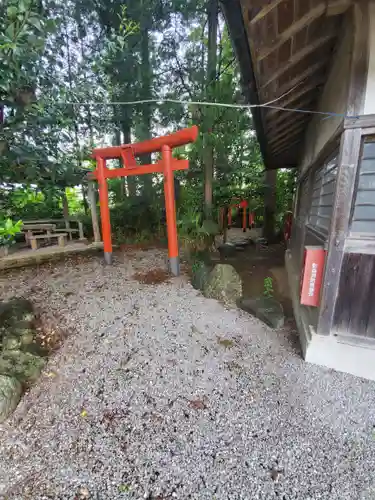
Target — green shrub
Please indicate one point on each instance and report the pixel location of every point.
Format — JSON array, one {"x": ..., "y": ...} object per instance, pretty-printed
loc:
[{"x": 8, "y": 231}]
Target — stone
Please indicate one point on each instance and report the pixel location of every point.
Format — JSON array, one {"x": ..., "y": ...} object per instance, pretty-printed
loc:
[
  {"x": 227, "y": 250},
  {"x": 223, "y": 284},
  {"x": 16, "y": 310},
  {"x": 24, "y": 366},
  {"x": 16, "y": 317},
  {"x": 267, "y": 309},
  {"x": 281, "y": 278},
  {"x": 200, "y": 273},
  {"x": 10, "y": 395},
  {"x": 16, "y": 341},
  {"x": 241, "y": 244},
  {"x": 209, "y": 227}
]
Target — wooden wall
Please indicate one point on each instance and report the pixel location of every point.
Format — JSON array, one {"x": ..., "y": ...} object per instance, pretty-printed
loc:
[
  {"x": 355, "y": 305},
  {"x": 350, "y": 270}
]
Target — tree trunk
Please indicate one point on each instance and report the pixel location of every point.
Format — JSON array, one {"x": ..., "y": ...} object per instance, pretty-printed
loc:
[
  {"x": 131, "y": 180},
  {"x": 117, "y": 141},
  {"x": 212, "y": 18},
  {"x": 70, "y": 79},
  {"x": 146, "y": 78},
  {"x": 84, "y": 199},
  {"x": 65, "y": 205},
  {"x": 91, "y": 194},
  {"x": 270, "y": 205}
]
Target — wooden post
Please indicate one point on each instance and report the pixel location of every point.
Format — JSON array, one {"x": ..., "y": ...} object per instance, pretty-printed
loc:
[
  {"x": 270, "y": 205},
  {"x": 170, "y": 209},
  {"x": 80, "y": 230},
  {"x": 91, "y": 196},
  {"x": 65, "y": 206},
  {"x": 244, "y": 218},
  {"x": 225, "y": 224},
  {"x": 104, "y": 211}
]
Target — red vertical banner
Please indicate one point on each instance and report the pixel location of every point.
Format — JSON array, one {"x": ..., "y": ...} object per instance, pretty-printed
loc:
[{"x": 313, "y": 269}]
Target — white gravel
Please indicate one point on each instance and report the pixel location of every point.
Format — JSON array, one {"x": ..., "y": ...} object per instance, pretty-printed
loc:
[{"x": 145, "y": 400}]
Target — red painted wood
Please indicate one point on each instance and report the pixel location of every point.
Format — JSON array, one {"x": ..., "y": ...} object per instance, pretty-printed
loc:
[
  {"x": 142, "y": 169},
  {"x": 170, "y": 205},
  {"x": 180, "y": 138},
  {"x": 312, "y": 276},
  {"x": 104, "y": 207}
]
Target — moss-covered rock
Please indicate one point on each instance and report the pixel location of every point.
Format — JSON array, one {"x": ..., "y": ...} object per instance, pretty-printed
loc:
[
  {"x": 224, "y": 284},
  {"x": 10, "y": 395},
  {"x": 24, "y": 366},
  {"x": 200, "y": 272},
  {"x": 16, "y": 318}
]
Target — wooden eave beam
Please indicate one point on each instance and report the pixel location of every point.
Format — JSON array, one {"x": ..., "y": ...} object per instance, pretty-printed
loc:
[
  {"x": 288, "y": 115},
  {"x": 337, "y": 7},
  {"x": 285, "y": 147},
  {"x": 293, "y": 96},
  {"x": 302, "y": 76},
  {"x": 265, "y": 10},
  {"x": 281, "y": 143},
  {"x": 299, "y": 56},
  {"x": 287, "y": 131},
  {"x": 275, "y": 133},
  {"x": 305, "y": 20}
]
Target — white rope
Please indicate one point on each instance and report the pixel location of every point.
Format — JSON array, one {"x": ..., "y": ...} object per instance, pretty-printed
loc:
[{"x": 204, "y": 103}]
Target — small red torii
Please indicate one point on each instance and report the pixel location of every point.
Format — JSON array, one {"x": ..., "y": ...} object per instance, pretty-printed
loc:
[
  {"x": 166, "y": 166},
  {"x": 238, "y": 204}
]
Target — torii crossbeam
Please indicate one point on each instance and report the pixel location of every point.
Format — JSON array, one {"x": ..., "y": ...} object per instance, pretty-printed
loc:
[{"x": 166, "y": 166}]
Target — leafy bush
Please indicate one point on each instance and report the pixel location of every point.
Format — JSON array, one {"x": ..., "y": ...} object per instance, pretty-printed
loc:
[
  {"x": 268, "y": 287},
  {"x": 135, "y": 215},
  {"x": 8, "y": 231}
]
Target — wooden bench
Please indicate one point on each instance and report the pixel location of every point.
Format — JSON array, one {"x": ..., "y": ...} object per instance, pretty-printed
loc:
[
  {"x": 71, "y": 231},
  {"x": 56, "y": 222},
  {"x": 61, "y": 239},
  {"x": 31, "y": 230}
]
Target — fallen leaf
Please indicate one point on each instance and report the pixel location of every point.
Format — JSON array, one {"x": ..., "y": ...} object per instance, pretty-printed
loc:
[
  {"x": 124, "y": 488},
  {"x": 83, "y": 413},
  {"x": 275, "y": 474},
  {"x": 198, "y": 404},
  {"x": 83, "y": 493},
  {"x": 225, "y": 342}
]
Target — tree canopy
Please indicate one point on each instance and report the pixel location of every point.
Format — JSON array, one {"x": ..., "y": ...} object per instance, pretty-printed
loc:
[{"x": 67, "y": 68}]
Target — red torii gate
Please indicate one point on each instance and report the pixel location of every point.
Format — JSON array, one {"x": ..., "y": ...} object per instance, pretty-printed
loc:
[
  {"x": 237, "y": 204},
  {"x": 166, "y": 166}
]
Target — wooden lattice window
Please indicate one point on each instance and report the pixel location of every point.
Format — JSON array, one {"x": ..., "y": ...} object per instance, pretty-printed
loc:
[
  {"x": 323, "y": 196},
  {"x": 363, "y": 218}
]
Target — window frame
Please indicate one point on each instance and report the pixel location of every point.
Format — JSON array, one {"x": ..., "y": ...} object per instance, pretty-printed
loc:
[
  {"x": 358, "y": 235},
  {"x": 319, "y": 231}
]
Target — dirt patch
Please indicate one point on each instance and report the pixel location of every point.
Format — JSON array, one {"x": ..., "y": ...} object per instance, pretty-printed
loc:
[
  {"x": 148, "y": 245},
  {"x": 153, "y": 277},
  {"x": 254, "y": 265},
  {"x": 48, "y": 335}
]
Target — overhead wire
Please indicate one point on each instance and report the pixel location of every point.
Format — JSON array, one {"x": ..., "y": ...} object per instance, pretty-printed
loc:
[{"x": 206, "y": 103}]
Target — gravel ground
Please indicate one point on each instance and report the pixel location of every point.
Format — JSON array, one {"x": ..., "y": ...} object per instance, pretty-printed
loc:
[{"x": 159, "y": 393}]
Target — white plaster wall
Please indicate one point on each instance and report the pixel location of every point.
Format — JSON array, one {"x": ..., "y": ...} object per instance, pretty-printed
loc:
[
  {"x": 370, "y": 89},
  {"x": 333, "y": 99}
]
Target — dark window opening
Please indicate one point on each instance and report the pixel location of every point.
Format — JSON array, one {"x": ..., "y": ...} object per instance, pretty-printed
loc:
[
  {"x": 323, "y": 196},
  {"x": 363, "y": 217}
]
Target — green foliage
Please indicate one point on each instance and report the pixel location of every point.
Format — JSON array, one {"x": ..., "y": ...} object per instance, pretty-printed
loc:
[
  {"x": 86, "y": 51},
  {"x": 31, "y": 203},
  {"x": 268, "y": 287},
  {"x": 74, "y": 201},
  {"x": 8, "y": 231}
]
